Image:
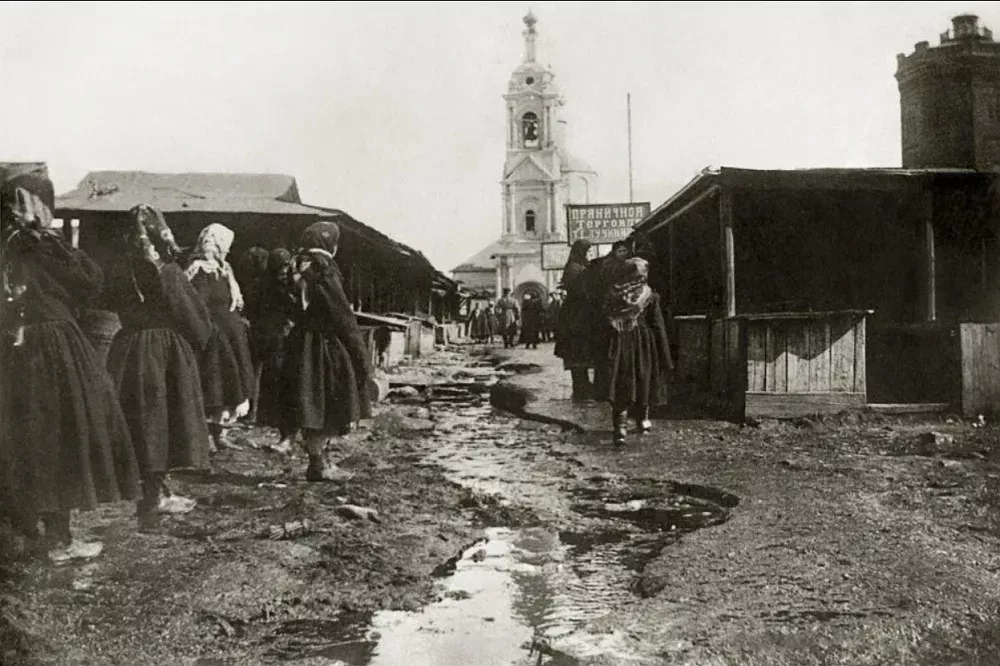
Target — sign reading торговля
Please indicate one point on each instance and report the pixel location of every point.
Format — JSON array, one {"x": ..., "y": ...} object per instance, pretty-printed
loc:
[{"x": 603, "y": 223}]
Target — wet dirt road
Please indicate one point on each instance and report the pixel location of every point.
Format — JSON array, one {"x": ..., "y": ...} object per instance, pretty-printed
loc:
[{"x": 564, "y": 548}]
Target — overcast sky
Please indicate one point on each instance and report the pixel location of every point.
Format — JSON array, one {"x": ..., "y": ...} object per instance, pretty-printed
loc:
[{"x": 393, "y": 111}]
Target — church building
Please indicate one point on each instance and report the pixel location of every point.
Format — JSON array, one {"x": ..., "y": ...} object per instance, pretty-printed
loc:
[{"x": 539, "y": 178}]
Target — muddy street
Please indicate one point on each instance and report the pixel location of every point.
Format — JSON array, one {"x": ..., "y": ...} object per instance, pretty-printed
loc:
[
  {"x": 483, "y": 519},
  {"x": 491, "y": 541}
]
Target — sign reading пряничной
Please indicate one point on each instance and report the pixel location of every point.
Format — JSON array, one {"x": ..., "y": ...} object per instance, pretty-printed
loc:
[{"x": 603, "y": 223}]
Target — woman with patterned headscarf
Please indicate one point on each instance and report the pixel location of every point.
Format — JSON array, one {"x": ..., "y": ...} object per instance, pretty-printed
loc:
[
  {"x": 153, "y": 358},
  {"x": 327, "y": 363},
  {"x": 64, "y": 443},
  {"x": 636, "y": 367},
  {"x": 227, "y": 377}
]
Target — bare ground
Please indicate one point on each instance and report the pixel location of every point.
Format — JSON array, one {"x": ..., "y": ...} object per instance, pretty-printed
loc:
[{"x": 856, "y": 540}]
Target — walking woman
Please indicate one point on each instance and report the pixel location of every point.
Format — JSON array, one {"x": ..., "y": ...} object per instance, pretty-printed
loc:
[
  {"x": 271, "y": 325},
  {"x": 327, "y": 364},
  {"x": 227, "y": 378},
  {"x": 637, "y": 365},
  {"x": 64, "y": 443},
  {"x": 532, "y": 316},
  {"x": 580, "y": 327},
  {"x": 153, "y": 359}
]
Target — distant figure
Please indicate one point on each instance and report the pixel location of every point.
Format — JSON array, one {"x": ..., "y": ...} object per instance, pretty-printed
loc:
[
  {"x": 508, "y": 316},
  {"x": 579, "y": 329},
  {"x": 532, "y": 317},
  {"x": 476, "y": 323},
  {"x": 635, "y": 370},
  {"x": 491, "y": 324},
  {"x": 552, "y": 311}
]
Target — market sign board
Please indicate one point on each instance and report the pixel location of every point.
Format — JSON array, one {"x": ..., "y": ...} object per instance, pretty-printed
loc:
[{"x": 603, "y": 223}]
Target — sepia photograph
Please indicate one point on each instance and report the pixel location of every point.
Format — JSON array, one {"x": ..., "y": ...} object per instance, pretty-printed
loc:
[{"x": 499, "y": 333}]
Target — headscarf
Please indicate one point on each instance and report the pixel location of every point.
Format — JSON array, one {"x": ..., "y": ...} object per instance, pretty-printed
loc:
[
  {"x": 209, "y": 256},
  {"x": 278, "y": 260},
  {"x": 578, "y": 252},
  {"x": 626, "y": 299},
  {"x": 28, "y": 201},
  {"x": 321, "y": 238}
]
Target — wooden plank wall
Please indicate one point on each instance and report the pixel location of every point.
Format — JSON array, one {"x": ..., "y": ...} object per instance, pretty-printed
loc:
[
  {"x": 980, "y": 368},
  {"x": 806, "y": 355}
]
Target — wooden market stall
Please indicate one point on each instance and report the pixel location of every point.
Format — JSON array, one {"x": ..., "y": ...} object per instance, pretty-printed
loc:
[{"x": 791, "y": 292}]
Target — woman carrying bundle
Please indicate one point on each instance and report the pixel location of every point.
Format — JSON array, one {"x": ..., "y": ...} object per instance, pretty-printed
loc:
[{"x": 635, "y": 369}]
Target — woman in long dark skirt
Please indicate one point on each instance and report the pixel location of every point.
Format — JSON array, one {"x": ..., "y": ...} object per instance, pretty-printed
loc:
[
  {"x": 578, "y": 338},
  {"x": 637, "y": 365},
  {"x": 327, "y": 364},
  {"x": 64, "y": 443},
  {"x": 153, "y": 359},
  {"x": 227, "y": 376},
  {"x": 270, "y": 326}
]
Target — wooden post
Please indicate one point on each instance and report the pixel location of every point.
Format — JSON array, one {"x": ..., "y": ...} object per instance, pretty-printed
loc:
[
  {"x": 929, "y": 257},
  {"x": 728, "y": 253},
  {"x": 672, "y": 276}
]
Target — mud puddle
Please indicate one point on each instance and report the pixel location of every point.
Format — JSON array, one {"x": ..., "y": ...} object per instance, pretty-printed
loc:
[{"x": 509, "y": 599}]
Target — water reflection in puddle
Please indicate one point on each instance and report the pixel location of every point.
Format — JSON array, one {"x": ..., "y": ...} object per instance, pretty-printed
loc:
[{"x": 509, "y": 597}]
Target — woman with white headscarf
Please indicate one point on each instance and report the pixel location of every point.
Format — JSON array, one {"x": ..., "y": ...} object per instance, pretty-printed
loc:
[{"x": 227, "y": 376}]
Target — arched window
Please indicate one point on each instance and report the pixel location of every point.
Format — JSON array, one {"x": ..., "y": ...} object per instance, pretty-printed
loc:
[
  {"x": 529, "y": 221},
  {"x": 529, "y": 130}
]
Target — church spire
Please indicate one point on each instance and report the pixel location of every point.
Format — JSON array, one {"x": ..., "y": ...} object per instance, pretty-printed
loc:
[{"x": 529, "y": 37}]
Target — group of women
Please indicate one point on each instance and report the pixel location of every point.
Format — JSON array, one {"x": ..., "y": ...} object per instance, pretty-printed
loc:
[
  {"x": 75, "y": 434},
  {"x": 612, "y": 323}
]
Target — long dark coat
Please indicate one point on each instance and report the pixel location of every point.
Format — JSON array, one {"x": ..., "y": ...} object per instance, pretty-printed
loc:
[
  {"x": 327, "y": 363},
  {"x": 636, "y": 366},
  {"x": 153, "y": 362},
  {"x": 277, "y": 309},
  {"x": 581, "y": 327},
  {"x": 64, "y": 442}
]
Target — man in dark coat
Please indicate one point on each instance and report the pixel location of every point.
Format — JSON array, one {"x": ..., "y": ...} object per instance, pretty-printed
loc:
[{"x": 508, "y": 317}]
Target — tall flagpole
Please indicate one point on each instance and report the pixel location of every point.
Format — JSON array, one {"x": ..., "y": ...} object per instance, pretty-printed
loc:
[{"x": 628, "y": 109}]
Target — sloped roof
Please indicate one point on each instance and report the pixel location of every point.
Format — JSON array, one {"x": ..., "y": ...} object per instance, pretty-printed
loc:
[
  {"x": 485, "y": 260},
  {"x": 178, "y": 192}
]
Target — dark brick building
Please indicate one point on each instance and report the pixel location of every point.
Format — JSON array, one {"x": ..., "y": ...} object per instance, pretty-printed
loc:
[{"x": 950, "y": 99}]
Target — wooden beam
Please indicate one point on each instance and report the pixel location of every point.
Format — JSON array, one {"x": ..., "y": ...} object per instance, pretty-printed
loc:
[
  {"x": 728, "y": 253},
  {"x": 930, "y": 259}
]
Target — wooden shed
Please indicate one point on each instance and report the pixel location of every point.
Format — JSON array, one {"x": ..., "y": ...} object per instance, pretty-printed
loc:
[{"x": 840, "y": 286}]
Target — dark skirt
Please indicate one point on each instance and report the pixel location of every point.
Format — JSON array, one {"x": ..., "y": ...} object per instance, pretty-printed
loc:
[
  {"x": 227, "y": 376},
  {"x": 156, "y": 373},
  {"x": 635, "y": 370},
  {"x": 271, "y": 410},
  {"x": 321, "y": 391},
  {"x": 65, "y": 443}
]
